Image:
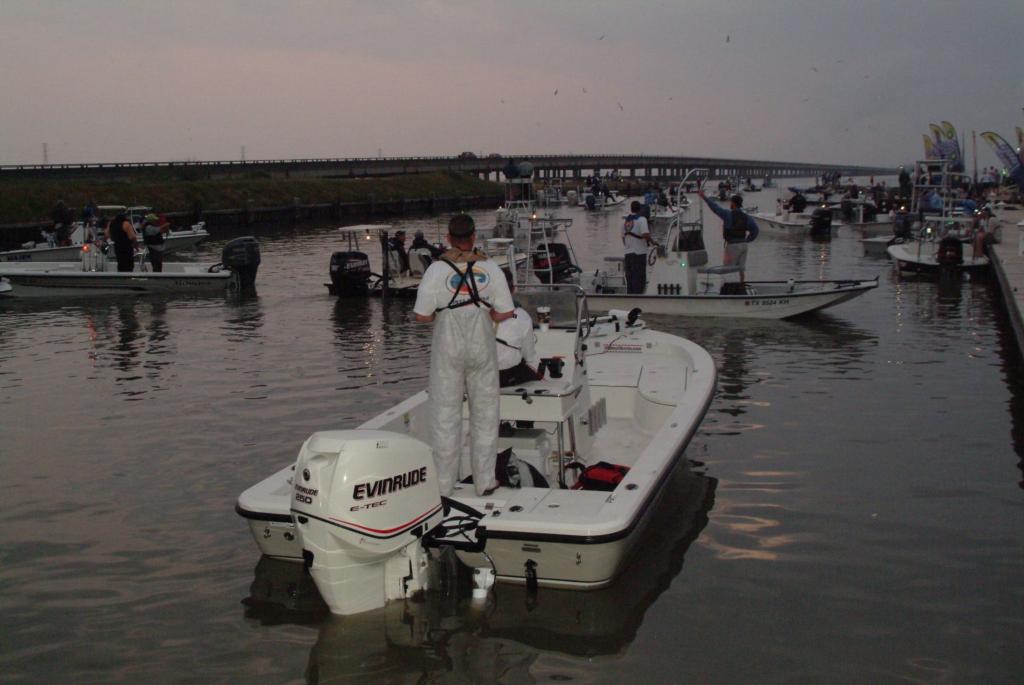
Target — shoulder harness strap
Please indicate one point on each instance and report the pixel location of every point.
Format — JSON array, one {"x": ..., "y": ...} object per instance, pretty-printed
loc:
[{"x": 465, "y": 278}]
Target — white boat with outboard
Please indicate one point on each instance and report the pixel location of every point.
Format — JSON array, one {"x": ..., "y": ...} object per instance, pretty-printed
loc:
[
  {"x": 598, "y": 200},
  {"x": 95, "y": 275},
  {"x": 49, "y": 251},
  {"x": 816, "y": 222},
  {"x": 936, "y": 258},
  {"x": 680, "y": 282},
  {"x": 586, "y": 455},
  {"x": 352, "y": 275}
]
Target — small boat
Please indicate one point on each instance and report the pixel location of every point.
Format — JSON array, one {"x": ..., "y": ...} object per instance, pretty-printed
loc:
[
  {"x": 679, "y": 282},
  {"x": 6, "y": 289},
  {"x": 817, "y": 222},
  {"x": 592, "y": 449},
  {"x": 351, "y": 273},
  {"x": 96, "y": 275},
  {"x": 931, "y": 258},
  {"x": 598, "y": 202},
  {"x": 46, "y": 251}
]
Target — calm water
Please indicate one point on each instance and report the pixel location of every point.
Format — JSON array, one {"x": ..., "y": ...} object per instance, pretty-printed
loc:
[{"x": 852, "y": 513}]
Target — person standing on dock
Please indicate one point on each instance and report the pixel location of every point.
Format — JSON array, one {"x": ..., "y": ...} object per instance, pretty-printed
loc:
[
  {"x": 636, "y": 236},
  {"x": 121, "y": 232},
  {"x": 464, "y": 295},
  {"x": 738, "y": 229}
]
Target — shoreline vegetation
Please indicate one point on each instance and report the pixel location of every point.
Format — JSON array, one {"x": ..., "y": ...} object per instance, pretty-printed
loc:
[{"x": 31, "y": 203}]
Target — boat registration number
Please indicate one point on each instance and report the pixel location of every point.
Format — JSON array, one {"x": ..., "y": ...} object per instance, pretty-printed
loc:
[{"x": 767, "y": 303}]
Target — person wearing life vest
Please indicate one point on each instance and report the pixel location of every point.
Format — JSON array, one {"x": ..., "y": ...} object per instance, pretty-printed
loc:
[
  {"x": 738, "y": 229},
  {"x": 464, "y": 294},
  {"x": 636, "y": 237},
  {"x": 517, "y": 352},
  {"x": 153, "y": 232},
  {"x": 121, "y": 232}
]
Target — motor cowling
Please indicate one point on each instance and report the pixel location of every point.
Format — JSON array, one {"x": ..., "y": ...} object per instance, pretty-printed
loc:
[
  {"x": 242, "y": 257},
  {"x": 361, "y": 500},
  {"x": 350, "y": 273},
  {"x": 950, "y": 252},
  {"x": 821, "y": 223}
]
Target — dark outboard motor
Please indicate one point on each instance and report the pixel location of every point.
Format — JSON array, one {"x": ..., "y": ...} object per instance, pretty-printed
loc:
[
  {"x": 870, "y": 212},
  {"x": 350, "y": 273},
  {"x": 591, "y": 201},
  {"x": 950, "y": 252},
  {"x": 821, "y": 223},
  {"x": 902, "y": 226},
  {"x": 242, "y": 257},
  {"x": 559, "y": 269}
]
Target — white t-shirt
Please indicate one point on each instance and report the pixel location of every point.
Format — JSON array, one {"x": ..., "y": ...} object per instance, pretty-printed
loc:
[
  {"x": 440, "y": 282},
  {"x": 638, "y": 227},
  {"x": 516, "y": 332}
]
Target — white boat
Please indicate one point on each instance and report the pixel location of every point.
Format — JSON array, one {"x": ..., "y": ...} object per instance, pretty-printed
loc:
[
  {"x": 598, "y": 202},
  {"x": 6, "y": 290},
  {"x": 816, "y": 222},
  {"x": 679, "y": 282},
  {"x": 95, "y": 275},
  {"x": 628, "y": 397},
  {"x": 45, "y": 251},
  {"x": 351, "y": 273},
  {"x": 931, "y": 258}
]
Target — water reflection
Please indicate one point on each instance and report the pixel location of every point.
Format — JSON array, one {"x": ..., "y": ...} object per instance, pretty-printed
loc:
[{"x": 514, "y": 633}]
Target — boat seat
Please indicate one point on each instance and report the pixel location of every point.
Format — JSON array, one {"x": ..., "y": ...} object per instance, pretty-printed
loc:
[{"x": 551, "y": 399}]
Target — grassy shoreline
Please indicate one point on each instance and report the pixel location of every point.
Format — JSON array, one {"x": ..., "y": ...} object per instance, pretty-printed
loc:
[{"x": 24, "y": 202}]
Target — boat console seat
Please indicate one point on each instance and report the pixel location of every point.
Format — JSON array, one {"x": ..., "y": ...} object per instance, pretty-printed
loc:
[{"x": 551, "y": 399}]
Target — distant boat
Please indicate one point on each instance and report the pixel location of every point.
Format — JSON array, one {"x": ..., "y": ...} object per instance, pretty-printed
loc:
[
  {"x": 95, "y": 275},
  {"x": 44, "y": 251}
]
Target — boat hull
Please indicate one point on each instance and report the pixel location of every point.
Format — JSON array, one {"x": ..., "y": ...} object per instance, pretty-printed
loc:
[
  {"x": 774, "y": 305},
  {"x": 175, "y": 242},
  {"x": 873, "y": 228},
  {"x": 64, "y": 283},
  {"x": 910, "y": 261}
]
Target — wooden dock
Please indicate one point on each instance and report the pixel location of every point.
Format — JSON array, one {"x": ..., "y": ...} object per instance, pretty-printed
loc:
[{"x": 1008, "y": 263}]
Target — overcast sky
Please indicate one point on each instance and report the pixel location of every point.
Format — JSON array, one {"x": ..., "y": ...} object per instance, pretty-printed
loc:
[{"x": 819, "y": 81}]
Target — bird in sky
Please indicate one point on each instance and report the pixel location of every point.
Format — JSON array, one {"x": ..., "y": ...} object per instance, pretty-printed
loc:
[
  {"x": 815, "y": 69},
  {"x": 620, "y": 106},
  {"x": 556, "y": 91},
  {"x": 584, "y": 90},
  {"x": 727, "y": 38},
  {"x": 601, "y": 37}
]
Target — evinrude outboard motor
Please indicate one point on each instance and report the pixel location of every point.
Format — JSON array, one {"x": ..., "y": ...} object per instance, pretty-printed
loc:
[
  {"x": 242, "y": 257},
  {"x": 362, "y": 501},
  {"x": 821, "y": 223},
  {"x": 350, "y": 273}
]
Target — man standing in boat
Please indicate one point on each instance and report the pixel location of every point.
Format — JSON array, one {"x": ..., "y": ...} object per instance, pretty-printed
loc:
[
  {"x": 738, "y": 229},
  {"x": 636, "y": 236},
  {"x": 464, "y": 294}
]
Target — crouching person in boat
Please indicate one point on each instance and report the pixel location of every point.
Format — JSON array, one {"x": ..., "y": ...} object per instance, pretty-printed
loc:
[
  {"x": 463, "y": 295},
  {"x": 738, "y": 229},
  {"x": 517, "y": 353}
]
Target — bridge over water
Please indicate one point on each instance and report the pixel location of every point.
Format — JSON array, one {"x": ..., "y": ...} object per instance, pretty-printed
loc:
[{"x": 641, "y": 167}]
